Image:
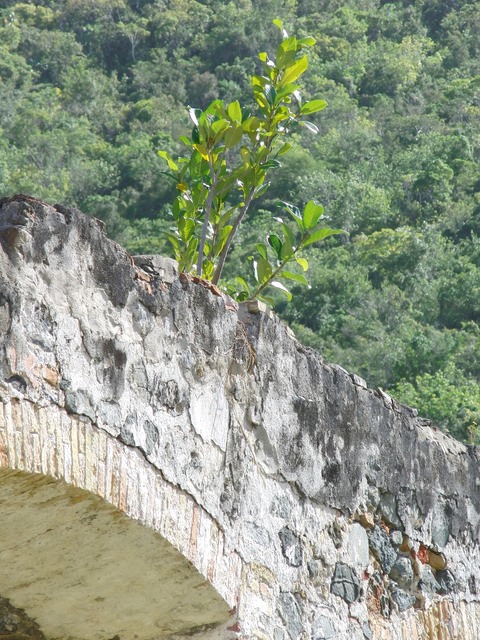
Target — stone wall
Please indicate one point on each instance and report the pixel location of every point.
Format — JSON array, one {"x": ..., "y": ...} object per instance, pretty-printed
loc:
[{"x": 316, "y": 507}]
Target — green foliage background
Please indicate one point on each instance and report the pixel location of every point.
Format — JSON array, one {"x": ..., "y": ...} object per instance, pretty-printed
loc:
[{"x": 90, "y": 90}]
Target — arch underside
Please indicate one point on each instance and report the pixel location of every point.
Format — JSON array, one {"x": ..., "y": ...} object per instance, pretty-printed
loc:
[{"x": 79, "y": 569}]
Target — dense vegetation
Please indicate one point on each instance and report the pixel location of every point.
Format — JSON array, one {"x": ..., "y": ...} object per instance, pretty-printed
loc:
[{"x": 90, "y": 90}]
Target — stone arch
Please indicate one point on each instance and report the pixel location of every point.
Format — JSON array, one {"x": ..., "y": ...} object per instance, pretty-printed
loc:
[{"x": 96, "y": 544}]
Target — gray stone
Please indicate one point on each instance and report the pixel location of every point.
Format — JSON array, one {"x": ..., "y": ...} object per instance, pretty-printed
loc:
[
  {"x": 279, "y": 634},
  {"x": 291, "y": 614},
  {"x": 80, "y": 402},
  {"x": 357, "y": 551},
  {"x": 396, "y": 538},
  {"x": 402, "y": 599},
  {"x": 281, "y": 507},
  {"x": 446, "y": 581},
  {"x": 345, "y": 583},
  {"x": 367, "y": 632},
  {"x": 323, "y": 629},
  {"x": 402, "y": 572},
  {"x": 440, "y": 526},
  {"x": 291, "y": 547},
  {"x": 428, "y": 583},
  {"x": 164, "y": 268},
  {"x": 382, "y": 548},
  {"x": 314, "y": 569},
  {"x": 388, "y": 508}
]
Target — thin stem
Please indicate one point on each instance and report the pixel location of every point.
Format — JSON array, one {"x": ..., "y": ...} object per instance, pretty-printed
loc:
[
  {"x": 208, "y": 209},
  {"x": 226, "y": 247}
]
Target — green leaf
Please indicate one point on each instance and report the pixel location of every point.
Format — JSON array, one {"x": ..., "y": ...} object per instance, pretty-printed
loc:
[
  {"x": 259, "y": 191},
  {"x": 308, "y": 125},
  {"x": 311, "y": 215},
  {"x": 225, "y": 232},
  {"x": 312, "y": 107},
  {"x": 202, "y": 150},
  {"x": 296, "y": 277},
  {"x": 264, "y": 270},
  {"x": 288, "y": 90},
  {"x": 287, "y": 250},
  {"x": 259, "y": 82},
  {"x": 270, "y": 94},
  {"x": 279, "y": 24},
  {"x": 284, "y": 149},
  {"x": 321, "y": 234},
  {"x": 276, "y": 244},
  {"x": 288, "y": 234},
  {"x": 219, "y": 127},
  {"x": 292, "y": 209},
  {"x": 234, "y": 111},
  {"x": 166, "y": 156},
  {"x": 195, "y": 135},
  {"x": 186, "y": 140},
  {"x": 294, "y": 71},
  {"x": 242, "y": 283},
  {"x": 303, "y": 263},
  {"x": 286, "y": 51},
  {"x": 262, "y": 250},
  {"x": 308, "y": 41},
  {"x": 187, "y": 229},
  {"x": 282, "y": 288},
  {"x": 251, "y": 124},
  {"x": 271, "y": 164},
  {"x": 233, "y": 136}
]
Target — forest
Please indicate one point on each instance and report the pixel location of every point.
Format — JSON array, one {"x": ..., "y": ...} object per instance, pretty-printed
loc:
[{"x": 91, "y": 90}]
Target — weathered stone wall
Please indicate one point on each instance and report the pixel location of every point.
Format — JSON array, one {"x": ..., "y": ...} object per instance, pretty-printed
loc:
[{"x": 316, "y": 507}]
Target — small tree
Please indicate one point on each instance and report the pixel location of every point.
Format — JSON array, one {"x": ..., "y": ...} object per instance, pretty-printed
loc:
[{"x": 231, "y": 153}]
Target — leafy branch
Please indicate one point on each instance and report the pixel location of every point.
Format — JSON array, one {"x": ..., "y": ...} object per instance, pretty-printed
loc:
[{"x": 230, "y": 154}]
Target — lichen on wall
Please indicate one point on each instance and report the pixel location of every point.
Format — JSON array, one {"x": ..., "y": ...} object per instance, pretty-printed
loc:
[{"x": 349, "y": 516}]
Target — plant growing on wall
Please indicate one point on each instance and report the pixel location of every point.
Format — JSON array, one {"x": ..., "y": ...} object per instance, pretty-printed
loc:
[{"x": 230, "y": 154}]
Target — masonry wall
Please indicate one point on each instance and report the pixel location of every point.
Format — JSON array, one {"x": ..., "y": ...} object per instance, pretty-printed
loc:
[{"x": 316, "y": 507}]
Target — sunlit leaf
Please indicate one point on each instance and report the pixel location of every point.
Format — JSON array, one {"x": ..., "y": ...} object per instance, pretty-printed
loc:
[
  {"x": 303, "y": 263},
  {"x": 264, "y": 270},
  {"x": 285, "y": 148},
  {"x": 308, "y": 41},
  {"x": 296, "y": 277},
  {"x": 311, "y": 215},
  {"x": 321, "y": 234},
  {"x": 282, "y": 288},
  {"x": 312, "y": 107},
  {"x": 286, "y": 51},
  {"x": 294, "y": 71},
  {"x": 309, "y": 125},
  {"x": 234, "y": 111},
  {"x": 202, "y": 150},
  {"x": 171, "y": 163}
]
